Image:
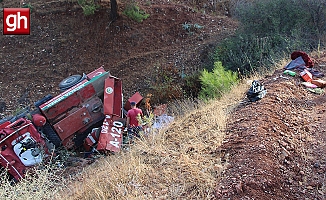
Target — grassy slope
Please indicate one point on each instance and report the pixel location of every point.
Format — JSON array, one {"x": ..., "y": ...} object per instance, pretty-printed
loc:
[{"x": 178, "y": 162}]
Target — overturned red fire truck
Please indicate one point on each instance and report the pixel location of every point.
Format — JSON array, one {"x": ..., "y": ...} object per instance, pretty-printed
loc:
[{"x": 88, "y": 113}]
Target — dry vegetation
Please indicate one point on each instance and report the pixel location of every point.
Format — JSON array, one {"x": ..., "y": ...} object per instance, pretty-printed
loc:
[
  {"x": 179, "y": 161},
  {"x": 43, "y": 182}
]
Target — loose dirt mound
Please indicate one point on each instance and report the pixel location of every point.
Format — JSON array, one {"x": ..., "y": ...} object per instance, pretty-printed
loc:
[{"x": 275, "y": 148}]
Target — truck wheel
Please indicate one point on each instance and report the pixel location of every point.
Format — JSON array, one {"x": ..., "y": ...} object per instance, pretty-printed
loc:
[
  {"x": 70, "y": 81},
  {"x": 51, "y": 135}
]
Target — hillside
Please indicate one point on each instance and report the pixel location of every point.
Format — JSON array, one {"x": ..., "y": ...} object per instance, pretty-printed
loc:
[
  {"x": 64, "y": 42},
  {"x": 272, "y": 149}
]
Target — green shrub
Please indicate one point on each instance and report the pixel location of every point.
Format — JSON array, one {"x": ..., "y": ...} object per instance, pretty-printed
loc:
[
  {"x": 133, "y": 12},
  {"x": 248, "y": 53},
  {"x": 191, "y": 28},
  {"x": 89, "y": 6},
  {"x": 270, "y": 30},
  {"x": 217, "y": 82},
  {"x": 269, "y": 17}
]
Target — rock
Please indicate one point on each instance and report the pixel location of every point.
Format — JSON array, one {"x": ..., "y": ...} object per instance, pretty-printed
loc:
[{"x": 310, "y": 187}]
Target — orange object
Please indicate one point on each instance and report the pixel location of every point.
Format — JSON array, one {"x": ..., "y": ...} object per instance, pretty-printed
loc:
[
  {"x": 320, "y": 83},
  {"x": 306, "y": 75}
]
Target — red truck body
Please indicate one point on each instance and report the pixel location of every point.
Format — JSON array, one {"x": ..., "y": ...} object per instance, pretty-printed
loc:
[
  {"x": 21, "y": 146},
  {"x": 88, "y": 114}
]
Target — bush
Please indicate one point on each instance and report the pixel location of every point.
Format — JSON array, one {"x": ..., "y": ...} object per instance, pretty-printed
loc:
[
  {"x": 248, "y": 53},
  {"x": 133, "y": 12},
  {"x": 217, "y": 82},
  {"x": 269, "y": 30},
  {"x": 270, "y": 17},
  {"x": 89, "y": 6},
  {"x": 44, "y": 181}
]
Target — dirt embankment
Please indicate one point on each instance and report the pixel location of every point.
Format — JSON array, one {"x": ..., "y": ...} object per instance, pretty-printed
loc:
[{"x": 276, "y": 147}]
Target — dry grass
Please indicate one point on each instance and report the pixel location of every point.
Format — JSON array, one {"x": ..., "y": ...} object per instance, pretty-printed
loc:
[
  {"x": 45, "y": 182},
  {"x": 178, "y": 162}
]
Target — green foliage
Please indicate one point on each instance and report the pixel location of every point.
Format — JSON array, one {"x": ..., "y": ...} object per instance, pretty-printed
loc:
[
  {"x": 89, "y": 6},
  {"x": 217, "y": 82},
  {"x": 26, "y": 5},
  {"x": 248, "y": 53},
  {"x": 148, "y": 3},
  {"x": 135, "y": 13},
  {"x": 148, "y": 119},
  {"x": 191, "y": 28},
  {"x": 269, "y": 17},
  {"x": 269, "y": 30},
  {"x": 316, "y": 14}
]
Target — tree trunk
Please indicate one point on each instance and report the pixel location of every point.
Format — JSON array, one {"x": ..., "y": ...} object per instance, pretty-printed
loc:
[{"x": 114, "y": 10}]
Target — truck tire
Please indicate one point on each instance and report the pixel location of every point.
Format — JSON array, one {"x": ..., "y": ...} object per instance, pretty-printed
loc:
[
  {"x": 70, "y": 81},
  {"x": 51, "y": 135}
]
